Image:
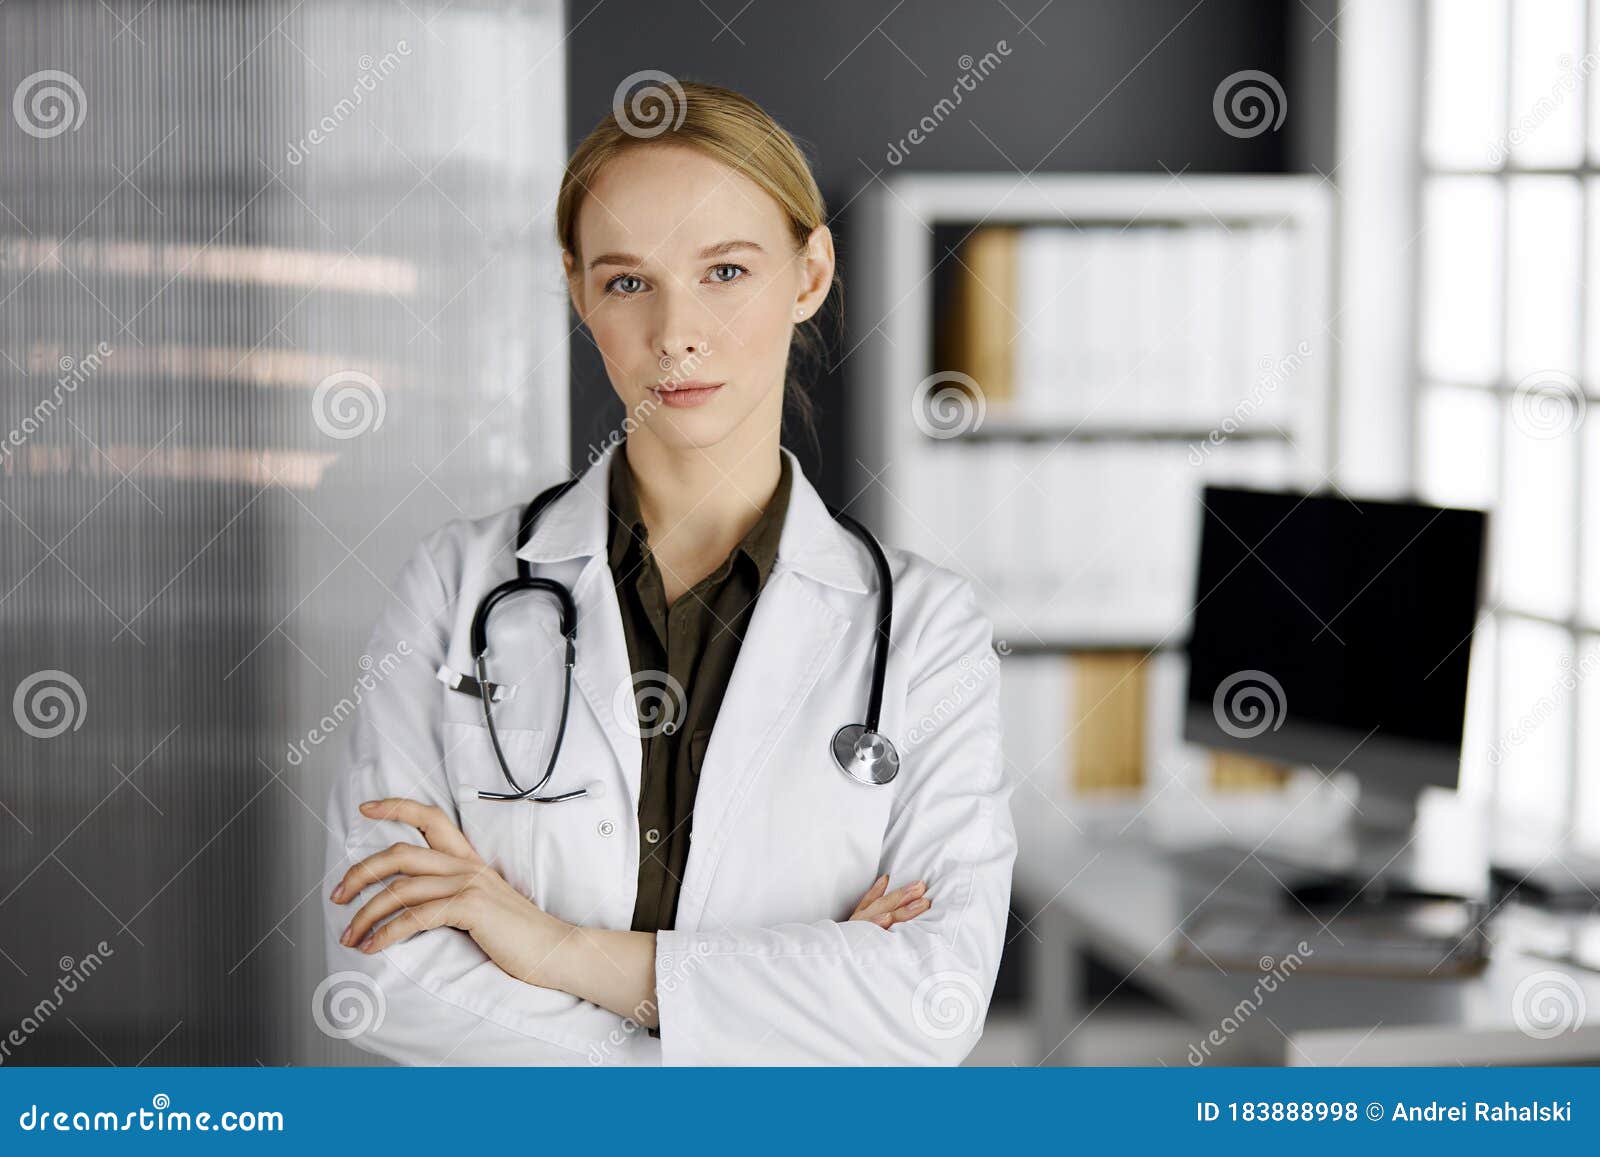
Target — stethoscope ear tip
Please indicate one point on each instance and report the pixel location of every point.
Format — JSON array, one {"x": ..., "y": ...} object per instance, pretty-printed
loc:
[{"x": 865, "y": 756}]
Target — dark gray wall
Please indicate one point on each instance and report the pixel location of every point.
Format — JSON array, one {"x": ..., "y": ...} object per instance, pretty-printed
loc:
[{"x": 1090, "y": 85}]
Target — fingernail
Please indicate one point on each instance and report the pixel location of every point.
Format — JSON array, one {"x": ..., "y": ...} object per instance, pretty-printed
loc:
[
  {"x": 366, "y": 945},
  {"x": 344, "y": 937},
  {"x": 371, "y": 803},
  {"x": 338, "y": 893},
  {"x": 916, "y": 889}
]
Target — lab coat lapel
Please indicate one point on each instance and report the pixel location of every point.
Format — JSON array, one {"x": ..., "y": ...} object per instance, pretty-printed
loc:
[
  {"x": 793, "y": 637},
  {"x": 787, "y": 646}
]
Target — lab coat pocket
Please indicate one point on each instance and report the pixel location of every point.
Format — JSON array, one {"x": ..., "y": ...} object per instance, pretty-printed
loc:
[{"x": 500, "y": 830}]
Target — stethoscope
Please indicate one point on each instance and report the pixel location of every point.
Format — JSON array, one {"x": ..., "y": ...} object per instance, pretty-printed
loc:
[{"x": 858, "y": 749}]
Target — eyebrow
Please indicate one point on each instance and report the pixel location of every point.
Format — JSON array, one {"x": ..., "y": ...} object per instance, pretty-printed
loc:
[{"x": 721, "y": 249}]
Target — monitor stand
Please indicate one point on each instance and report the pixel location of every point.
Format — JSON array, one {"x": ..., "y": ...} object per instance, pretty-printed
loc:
[{"x": 1391, "y": 849}]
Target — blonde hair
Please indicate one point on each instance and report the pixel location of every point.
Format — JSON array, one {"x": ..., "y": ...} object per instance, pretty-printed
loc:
[{"x": 730, "y": 128}]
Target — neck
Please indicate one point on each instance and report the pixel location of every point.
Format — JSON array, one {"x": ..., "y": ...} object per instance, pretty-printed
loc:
[{"x": 699, "y": 502}]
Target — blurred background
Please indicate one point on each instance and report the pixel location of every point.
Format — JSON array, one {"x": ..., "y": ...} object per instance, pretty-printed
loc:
[{"x": 1277, "y": 316}]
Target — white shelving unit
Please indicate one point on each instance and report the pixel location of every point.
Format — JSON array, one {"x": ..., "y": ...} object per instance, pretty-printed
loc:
[{"x": 1116, "y": 483}]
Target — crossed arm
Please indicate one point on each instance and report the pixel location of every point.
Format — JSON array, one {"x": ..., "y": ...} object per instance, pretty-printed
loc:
[
  {"x": 447, "y": 884},
  {"x": 520, "y": 986}
]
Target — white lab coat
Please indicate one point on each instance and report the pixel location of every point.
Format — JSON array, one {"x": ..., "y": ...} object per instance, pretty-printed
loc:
[{"x": 762, "y": 966}]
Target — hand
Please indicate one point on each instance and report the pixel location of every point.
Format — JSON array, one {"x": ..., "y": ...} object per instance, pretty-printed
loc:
[
  {"x": 446, "y": 884},
  {"x": 898, "y": 906}
]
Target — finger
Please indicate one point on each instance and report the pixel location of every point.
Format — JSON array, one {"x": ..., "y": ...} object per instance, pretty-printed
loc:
[
  {"x": 434, "y": 823},
  {"x": 896, "y": 899},
  {"x": 434, "y": 914},
  {"x": 909, "y": 911},
  {"x": 407, "y": 892},
  {"x": 407, "y": 858},
  {"x": 873, "y": 892}
]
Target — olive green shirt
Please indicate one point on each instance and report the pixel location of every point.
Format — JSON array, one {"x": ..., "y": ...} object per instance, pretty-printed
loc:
[{"x": 682, "y": 658}]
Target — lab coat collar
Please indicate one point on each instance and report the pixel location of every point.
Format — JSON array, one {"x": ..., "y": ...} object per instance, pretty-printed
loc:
[{"x": 813, "y": 542}]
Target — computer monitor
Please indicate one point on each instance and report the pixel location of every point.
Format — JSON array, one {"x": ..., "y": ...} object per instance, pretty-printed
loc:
[{"x": 1336, "y": 633}]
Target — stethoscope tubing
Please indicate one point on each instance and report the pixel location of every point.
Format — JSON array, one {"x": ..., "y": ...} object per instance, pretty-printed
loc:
[{"x": 874, "y": 760}]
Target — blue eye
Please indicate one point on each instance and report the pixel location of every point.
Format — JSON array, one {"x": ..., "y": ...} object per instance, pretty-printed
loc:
[
  {"x": 614, "y": 285},
  {"x": 611, "y": 285}
]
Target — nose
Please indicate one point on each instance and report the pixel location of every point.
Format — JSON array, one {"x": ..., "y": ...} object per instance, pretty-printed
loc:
[{"x": 683, "y": 339}]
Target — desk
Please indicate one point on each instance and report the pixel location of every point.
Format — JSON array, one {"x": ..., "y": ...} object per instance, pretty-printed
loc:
[{"x": 1124, "y": 901}]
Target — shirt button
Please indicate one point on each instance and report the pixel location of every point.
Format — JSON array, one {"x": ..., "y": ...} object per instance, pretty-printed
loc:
[
  {"x": 669, "y": 726},
  {"x": 652, "y": 835},
  {"x": 605, "y": 827}
]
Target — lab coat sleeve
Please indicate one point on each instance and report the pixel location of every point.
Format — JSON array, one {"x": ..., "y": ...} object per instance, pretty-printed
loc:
[
  {"x": 848, "y": 993},
  {"x": 435, "y": 998}
]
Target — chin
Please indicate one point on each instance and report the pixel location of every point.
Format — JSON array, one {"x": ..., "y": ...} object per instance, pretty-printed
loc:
[{"x": 692, "y": 429}]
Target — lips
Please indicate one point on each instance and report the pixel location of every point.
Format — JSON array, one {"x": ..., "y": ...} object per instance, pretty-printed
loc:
[
  {"x": 674, "y": 387},
  {"x": 683, "y": 395}
]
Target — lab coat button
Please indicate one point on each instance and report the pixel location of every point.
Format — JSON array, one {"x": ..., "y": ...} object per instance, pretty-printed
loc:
[
  {"x": 652, "y": 835},
  {"x": 605, "y": 827}
]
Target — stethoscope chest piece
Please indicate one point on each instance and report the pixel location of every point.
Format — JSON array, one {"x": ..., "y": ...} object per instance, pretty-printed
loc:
[{"x": 865, "y": 756}]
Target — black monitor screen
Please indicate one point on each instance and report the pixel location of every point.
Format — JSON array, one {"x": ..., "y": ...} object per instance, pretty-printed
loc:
[{"x": 1334, "y": 632}]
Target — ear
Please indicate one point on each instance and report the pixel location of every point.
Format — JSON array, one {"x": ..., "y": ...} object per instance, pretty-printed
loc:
[{"x": 817, "y": 264}]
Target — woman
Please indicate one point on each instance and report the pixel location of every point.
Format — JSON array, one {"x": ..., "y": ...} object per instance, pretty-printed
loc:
[{"x": 711, "y": 585}]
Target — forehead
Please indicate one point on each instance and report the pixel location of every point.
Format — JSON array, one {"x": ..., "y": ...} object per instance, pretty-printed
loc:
[{"x": 665, "y": 203}]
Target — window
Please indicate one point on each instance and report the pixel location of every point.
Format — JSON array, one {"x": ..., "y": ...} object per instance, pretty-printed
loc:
[{"x": 1508, "y": 356}]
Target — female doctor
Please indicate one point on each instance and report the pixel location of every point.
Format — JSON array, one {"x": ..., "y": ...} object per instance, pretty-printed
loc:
[{"x": 813, "y": 917}]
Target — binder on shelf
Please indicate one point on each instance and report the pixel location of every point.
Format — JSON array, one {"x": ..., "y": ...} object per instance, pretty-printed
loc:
[
  {"x": 1108, "y": 722},
  {"x": 976, "y": 338}
]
